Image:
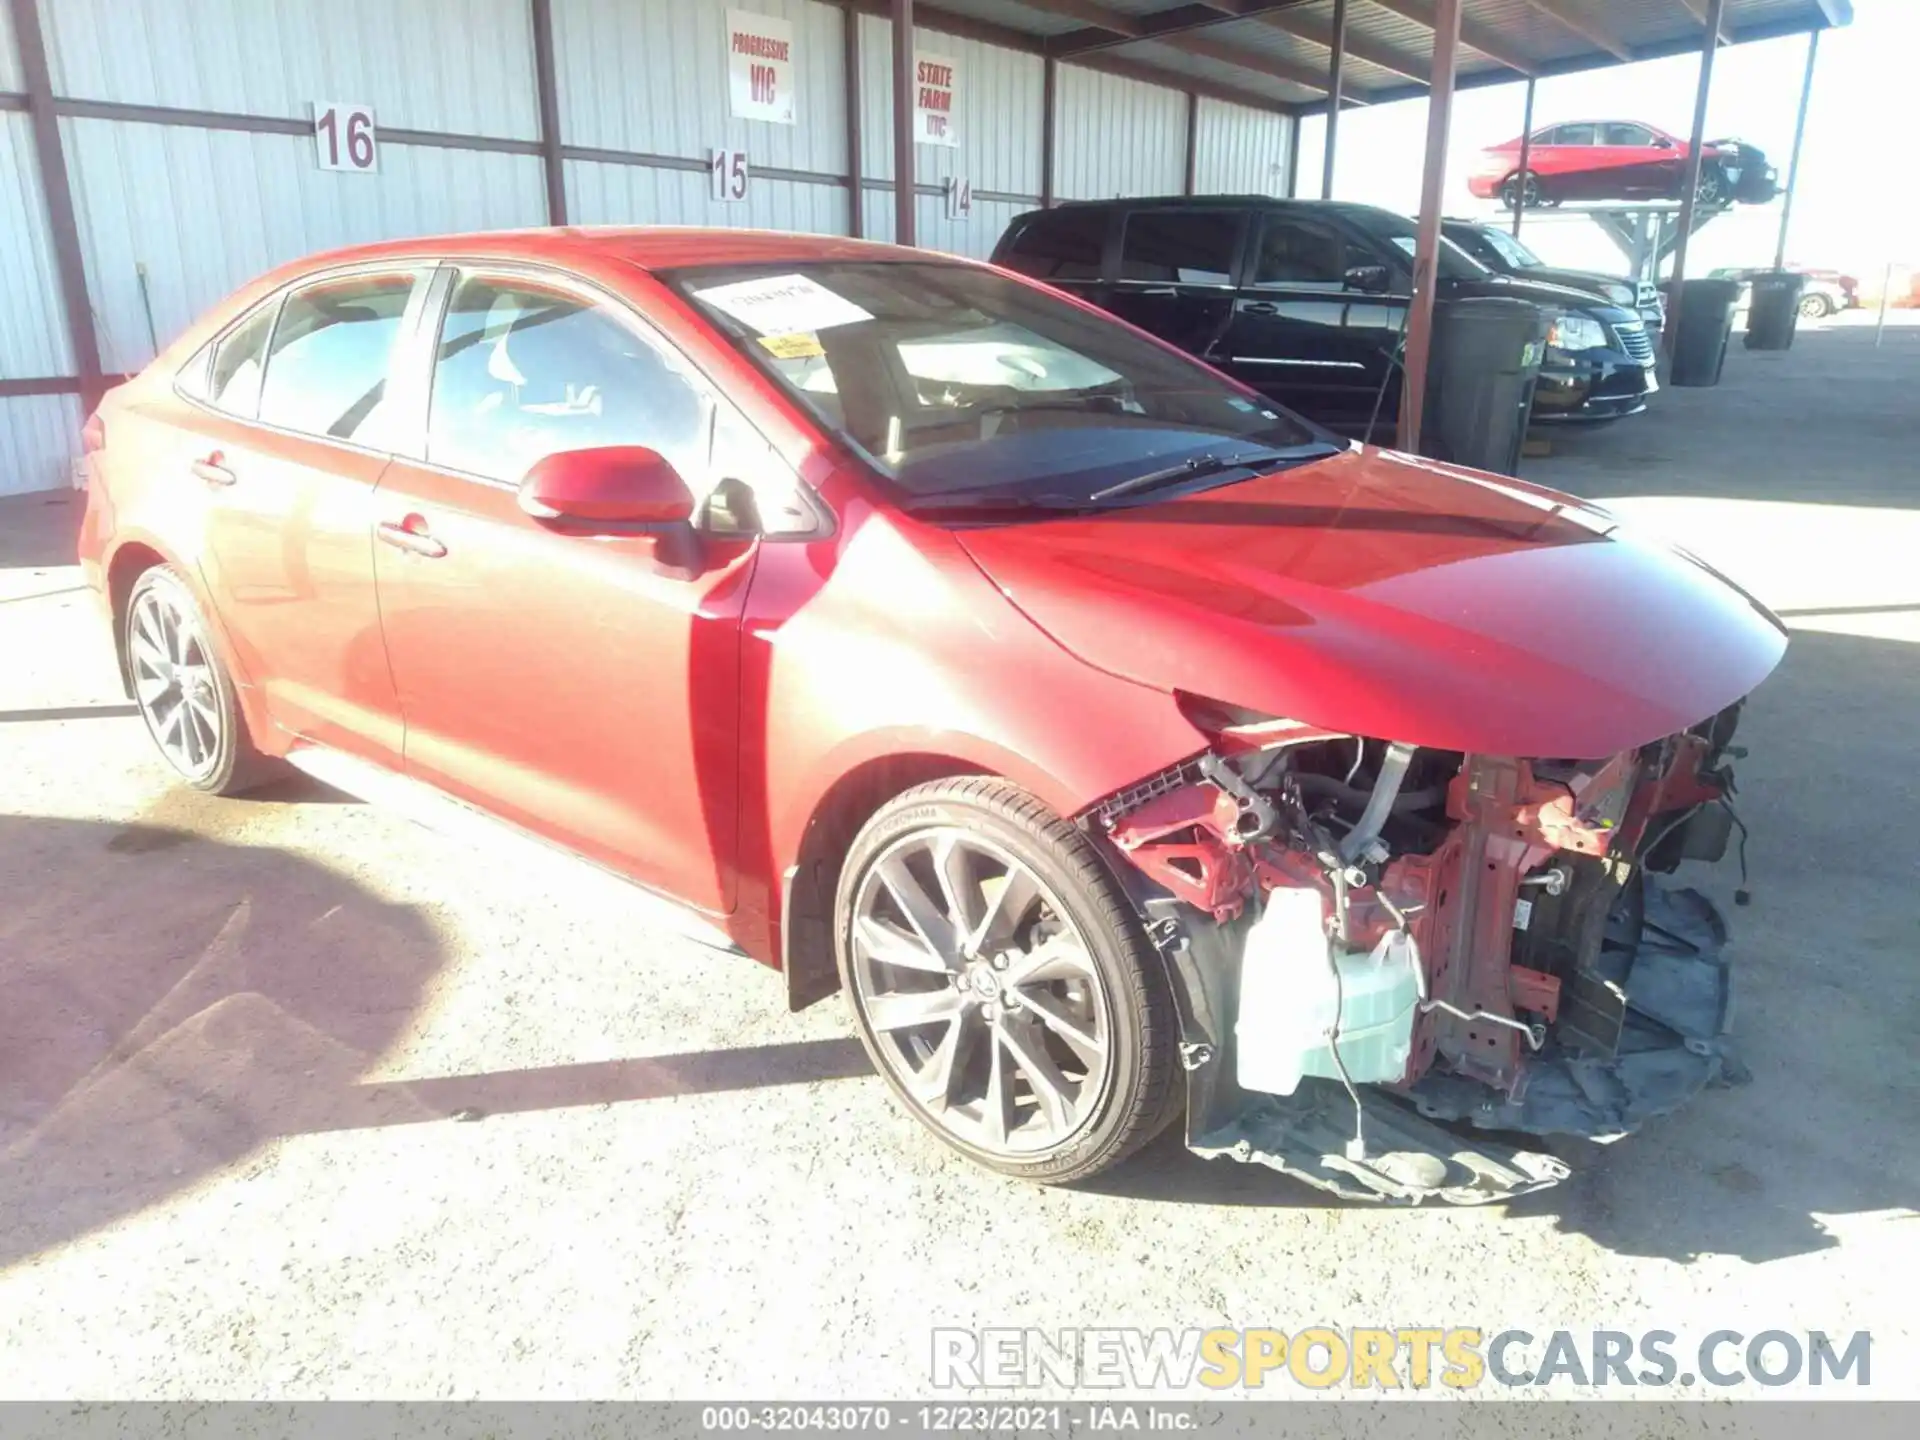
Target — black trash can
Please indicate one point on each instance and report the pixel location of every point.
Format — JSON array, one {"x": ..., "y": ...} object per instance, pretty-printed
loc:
[
  {"x": 1775, "y": 310},
  {"x": 1705, "y": 313},
  {"x": 1486, "y": 360}
]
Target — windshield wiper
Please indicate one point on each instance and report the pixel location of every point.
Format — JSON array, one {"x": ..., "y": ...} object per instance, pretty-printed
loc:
[
  {"x": 982, "y": 505},
  {"x": 1199, "y": 465}
]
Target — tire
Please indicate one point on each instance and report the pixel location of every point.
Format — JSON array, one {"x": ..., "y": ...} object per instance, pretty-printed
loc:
[
  {"x": 1511, "y": 195},
  {"x": 1090, "y": 1033},
  {"x": 1712, "y": 189},
  {"x": 1815, "y": 306},
  {"x": 184, "y": 691}
]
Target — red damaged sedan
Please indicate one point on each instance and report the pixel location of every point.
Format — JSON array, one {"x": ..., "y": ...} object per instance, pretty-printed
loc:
[
  {"x": 1619, "y": 160},
  {"x": 1120, "y": 743}
]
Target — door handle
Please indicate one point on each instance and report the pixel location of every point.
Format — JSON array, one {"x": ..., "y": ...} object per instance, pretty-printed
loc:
[
  {"x": 213, "y": 469},
  {"x": 1259, "y": 307},
  {"x": 411, "y": 535}
]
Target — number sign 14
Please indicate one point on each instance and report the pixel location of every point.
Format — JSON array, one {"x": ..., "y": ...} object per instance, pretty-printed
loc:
[
  {"x": 343, "y": 137},
  {"x": 727, "y": 174}
]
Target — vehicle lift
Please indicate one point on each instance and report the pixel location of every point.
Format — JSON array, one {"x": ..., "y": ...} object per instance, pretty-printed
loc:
[{"x": 1645, "y": 232}]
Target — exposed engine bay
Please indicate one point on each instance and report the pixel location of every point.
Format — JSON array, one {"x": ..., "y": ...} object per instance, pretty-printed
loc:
[{"x": 1390, "y": 959}]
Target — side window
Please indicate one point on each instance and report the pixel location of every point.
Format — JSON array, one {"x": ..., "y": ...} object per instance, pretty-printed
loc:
[
  {"x": 1623, "y": 134},
  {"x": 1060, "y": 245},
  {"x": 327, "y": 370},
  {"x": 522, "y": 372},
  {"x": 1574, "y": 135},
  {"x": 233, "y": 382},
  {"x": 1192, "y": 247},
  {"x": 1299, "y": 252}
]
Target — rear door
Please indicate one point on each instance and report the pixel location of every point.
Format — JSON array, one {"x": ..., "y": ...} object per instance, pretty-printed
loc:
[
  {"x": 1627, "y": 151},
  {"x": 583, "y": 685},
  {"x": 1569, "y": 162},
  {"x": 1175, "y": 274},
  {"x": 291, "y": 443},
  {"x": 1299, "y": 333}
]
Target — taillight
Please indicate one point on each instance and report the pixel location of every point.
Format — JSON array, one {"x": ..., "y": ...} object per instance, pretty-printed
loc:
[{"x": 93, "y": 434}]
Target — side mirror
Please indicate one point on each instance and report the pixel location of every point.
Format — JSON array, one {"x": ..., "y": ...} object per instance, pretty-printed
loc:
[
  {"x": 1369, "y": 279},
  {"x": 625, "y": 485},
  {"x": 1661, "y": 142}
]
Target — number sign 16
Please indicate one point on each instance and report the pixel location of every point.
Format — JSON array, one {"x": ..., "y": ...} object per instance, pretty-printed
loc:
[
  {"x": 727, "y": 174},
  {"x": 343, "y": 136}
]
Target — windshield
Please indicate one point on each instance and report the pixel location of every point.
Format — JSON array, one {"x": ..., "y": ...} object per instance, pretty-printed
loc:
[
  {"x": 1511, "y": 250},
  {"x": 956, "y": 381},
  {"x": 1397, "y": 230}
]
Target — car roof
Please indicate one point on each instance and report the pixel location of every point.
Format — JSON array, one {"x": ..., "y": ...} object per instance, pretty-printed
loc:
[
  {"x": 648, "y": 247},
  {"x": 1204, "y": 202}
]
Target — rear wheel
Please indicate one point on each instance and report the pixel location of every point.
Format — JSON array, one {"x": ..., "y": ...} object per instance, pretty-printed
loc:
[
  {"x": 1712, "y": 189},
  {"x": 184, "y": 690},
  {"x": 1001, "y": 981},
  {"x": 1515, "y": 195}
]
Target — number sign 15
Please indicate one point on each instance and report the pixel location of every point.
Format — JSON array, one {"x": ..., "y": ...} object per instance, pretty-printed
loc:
[
  {"x": 343, "y": 136},
  {"x": 727, "y": 174}
]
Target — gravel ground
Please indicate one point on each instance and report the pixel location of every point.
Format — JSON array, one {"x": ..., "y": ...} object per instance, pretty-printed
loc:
[{"x": 298, "y": 1100}]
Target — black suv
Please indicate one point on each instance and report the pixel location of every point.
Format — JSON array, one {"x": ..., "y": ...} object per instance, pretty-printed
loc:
[
  {"x": 1499, "y": 249},
  {"x": 1306, "y": 301}
]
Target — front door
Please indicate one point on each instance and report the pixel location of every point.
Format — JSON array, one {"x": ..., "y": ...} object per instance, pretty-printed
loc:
[
  {"x": 1175, "y": 277},
  {"x": 584, "y": 686},
  {"x": 290, "y": 448},
  {"x": 1305, "y": 336}
]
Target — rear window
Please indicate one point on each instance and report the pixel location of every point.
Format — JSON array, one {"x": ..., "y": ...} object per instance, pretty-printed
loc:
[
  {"x": 1060, "y": 245},
  {"x": 1193, "y": 247},
  {"x": 327, "y": 370}
]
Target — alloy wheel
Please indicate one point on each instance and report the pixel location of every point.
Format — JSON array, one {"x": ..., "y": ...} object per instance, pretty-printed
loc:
[
  {"x": 982, "y": 996},
  {"x": 173, "y": 683}
]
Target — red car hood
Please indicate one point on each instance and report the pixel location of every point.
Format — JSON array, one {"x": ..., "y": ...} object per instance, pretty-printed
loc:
[{"x": 1397, "y": 598}]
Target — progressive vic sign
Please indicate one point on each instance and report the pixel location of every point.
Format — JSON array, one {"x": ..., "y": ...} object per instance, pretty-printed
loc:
[{"x": 760, "y": 67}]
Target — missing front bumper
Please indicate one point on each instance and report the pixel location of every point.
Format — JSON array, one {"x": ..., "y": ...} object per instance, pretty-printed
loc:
[{"x": 1421, "y": 1144}]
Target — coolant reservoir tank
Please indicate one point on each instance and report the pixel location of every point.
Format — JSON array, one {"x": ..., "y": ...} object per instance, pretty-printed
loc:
[{"x": 1289, "y": 999}]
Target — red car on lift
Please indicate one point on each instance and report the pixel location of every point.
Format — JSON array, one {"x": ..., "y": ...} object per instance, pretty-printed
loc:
[
  {"x": 1618, "y": 160},
  {"x": 1121, "y": 743}
]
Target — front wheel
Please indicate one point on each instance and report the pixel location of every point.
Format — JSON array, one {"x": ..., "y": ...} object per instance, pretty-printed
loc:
[
  {"x": 1516, "y": 195},
  {"x": 1712, "y": 189},
  {"x": 1001, "y": 981},
  {"x": 1815, "y": 307}
]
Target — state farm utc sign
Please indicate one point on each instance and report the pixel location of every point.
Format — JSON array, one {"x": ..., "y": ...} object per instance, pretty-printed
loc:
[{"x": 936, "y": 84}]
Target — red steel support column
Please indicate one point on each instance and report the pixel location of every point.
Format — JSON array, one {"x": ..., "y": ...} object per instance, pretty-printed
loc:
[
  {"x": 1193, "y": 141},
  {"x": 1426, "y": 249},
  {"x": 903, "y": 92},
  {"x": 62, "y": 228},
  {"x": 1293, "y": 155},
  {"x": 1049, "y": 91},
  {"x": 1336, "y": 62},
  {"x": 1526, "y": 158},
  {"x": 1793, "y": 165},
  {"x": 856, "y": 165},
  {"x": 1690, "y": 182},
  {"x": 552, "y": 161}
]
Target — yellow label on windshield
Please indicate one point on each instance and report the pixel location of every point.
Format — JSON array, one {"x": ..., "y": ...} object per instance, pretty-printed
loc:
[{"x": 792, "y": 347}]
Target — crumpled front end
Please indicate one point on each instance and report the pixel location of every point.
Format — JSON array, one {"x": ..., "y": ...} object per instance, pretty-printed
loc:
[{"x": 1391, "y": 958}]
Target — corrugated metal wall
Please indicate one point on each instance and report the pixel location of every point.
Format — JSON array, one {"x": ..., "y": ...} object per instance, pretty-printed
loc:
[
  {"x": 173, "y": 216},
  {"x": 457, "y": 65},
  {"x": 203, "y": 211},
  {"x": 1241, "y": 151},
  {"x": 1117, "y": 137}
]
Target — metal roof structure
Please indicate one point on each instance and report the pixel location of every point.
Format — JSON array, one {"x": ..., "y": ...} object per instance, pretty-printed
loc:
[{"x": 1275, "y": 54}]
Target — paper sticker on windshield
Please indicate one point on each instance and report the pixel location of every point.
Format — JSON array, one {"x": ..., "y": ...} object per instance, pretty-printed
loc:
[
  {"x": 792, "y": 347},
  {"x": 783, "y": 304}
]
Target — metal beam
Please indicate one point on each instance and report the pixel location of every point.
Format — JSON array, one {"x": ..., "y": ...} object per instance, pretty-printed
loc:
[
  {"x": 1793, "y": 165},
  {"x": 1690, "y": 183},
  {"x": 903, "y": 92},
  {"x": 1293, "y": 156},
  {"x": 1487, "y": 41},
  {"x": 1173, "y": 80},
  {"x": 1049, "y": 106},
  {"x": 856, "y": 161},
  {"x": 547, "y": 88},
  {"x": 1305, "y": 27},
  {"x": 1698, "y": 9},
  {"x": 1568, "y": 18},
  {"x": 1526, "y": 156},
  {"x": 1193, "y": 142},
  {"x": 1124, "y": 29},
  {"x": 1335, "y": 59},
  {"x": 1426, "y": 245},
  {"x": 1087, "y": 12},
  {"x": 62, "y": 226},
  {"x": 1272, "y": 66}
]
